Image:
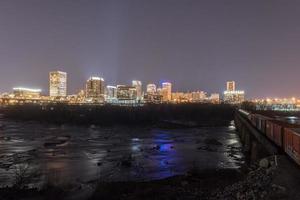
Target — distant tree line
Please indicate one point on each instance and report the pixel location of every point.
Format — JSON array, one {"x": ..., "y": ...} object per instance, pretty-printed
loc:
[
  {"x": 248, "y": 105},
  {"x": 128, "y": 115}
]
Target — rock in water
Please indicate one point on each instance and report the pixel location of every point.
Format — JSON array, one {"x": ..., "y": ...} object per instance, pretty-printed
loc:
[
  {"x": 212, "y": 141},
  {"x": 264, "y": 163}
]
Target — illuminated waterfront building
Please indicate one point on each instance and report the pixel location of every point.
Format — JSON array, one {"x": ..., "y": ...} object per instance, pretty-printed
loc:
[
  {"x": 280, "y": 104},
  {"x": 152, "y": 95},
  {"x": 139, "y": 90},
  {"x": 234, "y": 97},
  {"x": 80, "y": 97},
  {"x": 166, "y": 91},
  {"x": 180, "y": 97},
  {"x": 94, "y": 90},
  {"x": 214, "y": 98},
  {"x": 230, "y": 86},
  {"x": 111, "y": 93},
  {"x": 198, "y": 96},
  {"x": 27, "y": 93},
  {"x": 153, "y": 98},
  {"x": 81, "y": 94},
  {"x": 151, "y": 88},
  {"x": 126, "y": 93},
  {"x": 75, "y": 99},
  {"x": 189, "y": 97},
  {"x": 58, "y": 84}
]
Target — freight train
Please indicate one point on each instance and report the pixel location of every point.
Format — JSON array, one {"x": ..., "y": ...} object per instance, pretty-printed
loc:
[{"x": 285, "y": 135}]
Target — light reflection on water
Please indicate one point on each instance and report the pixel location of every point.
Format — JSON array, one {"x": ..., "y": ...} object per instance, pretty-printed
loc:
[
  {"x": 289, "y": 119},
  {"x": 114, "y": 154}
]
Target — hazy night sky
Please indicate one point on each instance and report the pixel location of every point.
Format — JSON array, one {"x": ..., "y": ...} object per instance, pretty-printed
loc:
[{"x": 195, "y": 44}]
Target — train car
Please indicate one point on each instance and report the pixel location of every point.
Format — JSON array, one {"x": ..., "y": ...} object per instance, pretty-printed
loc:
[
  {"x": 245, "y": 113},
  {"x": 292, "y": 143},
  {"x": 252, "y": 119},
  {"x": 261, "y": 122},
  {"x": 275, "y": 130}
]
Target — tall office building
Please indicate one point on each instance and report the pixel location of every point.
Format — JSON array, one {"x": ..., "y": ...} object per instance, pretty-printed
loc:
[
  {"x": 233, "y": 96},
  {"x": 166, "y": 91},
  {"x": 153, "y": 94},
  {"x": 139, "y": 90},
  {"x": 58, "y": 84},
  {"x": 94, "y": 88},
  {"x": 111, "y": 92},
  {"x": 151, "y": 88},
  {"x": 230, "y": 86}
]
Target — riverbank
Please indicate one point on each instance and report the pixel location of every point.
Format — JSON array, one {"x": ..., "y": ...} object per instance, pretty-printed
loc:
[
  {"x": 190, "y": 186},
  {"x": 259, "y": 181},
  {"x": 263, "y": 180},
  {"x": 194, "y": 185}
]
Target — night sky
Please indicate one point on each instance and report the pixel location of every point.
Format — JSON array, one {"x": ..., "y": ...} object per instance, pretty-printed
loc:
[{"x": 195, "y": 44}]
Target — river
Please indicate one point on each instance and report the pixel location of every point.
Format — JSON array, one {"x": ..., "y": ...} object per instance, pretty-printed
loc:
[{"x": 68, "y": 154}]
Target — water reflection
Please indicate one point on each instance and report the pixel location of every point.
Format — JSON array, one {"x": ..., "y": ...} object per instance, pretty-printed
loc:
[
  {"x": 114, "y": 154},
  {"x": 289, "y": 119}
]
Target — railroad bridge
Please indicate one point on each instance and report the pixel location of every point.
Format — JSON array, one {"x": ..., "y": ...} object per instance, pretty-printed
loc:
[
  {"x": 264, "y": 136},
  {"x": 256, "y": 145}
]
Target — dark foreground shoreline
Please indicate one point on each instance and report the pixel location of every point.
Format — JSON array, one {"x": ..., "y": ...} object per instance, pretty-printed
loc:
[
  {"x": 262, "y": 180},
  {"x": 193, "y": 185}
]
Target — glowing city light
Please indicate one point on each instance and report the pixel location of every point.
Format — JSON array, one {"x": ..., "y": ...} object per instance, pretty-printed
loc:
[{"x": 27, "y": 89}]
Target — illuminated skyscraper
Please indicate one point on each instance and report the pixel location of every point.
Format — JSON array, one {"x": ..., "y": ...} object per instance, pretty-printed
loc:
[
  {"x": 111, "y": 92},
  {"x": 230, "y": 86},
  {"x": 233, "y": 96},
  {"x": 166, "y": 91},
  {"x": 95, "y": 88},
  {"x": 58, "y": 84},
  {"x": 153, "y": 95},
  {"x": 151, "y": 88},
  {"x": 139, "y": 90}
]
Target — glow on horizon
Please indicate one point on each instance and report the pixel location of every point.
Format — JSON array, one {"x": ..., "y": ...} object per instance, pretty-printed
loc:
[
  {"x": 96, "y": 78},
  {"x": 27, "y": 89}
]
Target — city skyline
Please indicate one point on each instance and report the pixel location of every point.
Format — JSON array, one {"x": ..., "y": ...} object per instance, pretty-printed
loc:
[
  {"x": 58, "y": 84},
  {"x": 97, "y": 91},
  {"x": 46, "y": 90},
  {"x": 229, "y": 87},
  {"x": 123, "y": 41}
]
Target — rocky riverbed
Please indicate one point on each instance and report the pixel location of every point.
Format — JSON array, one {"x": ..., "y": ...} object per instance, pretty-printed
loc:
[{"x": 254, "y": 182}]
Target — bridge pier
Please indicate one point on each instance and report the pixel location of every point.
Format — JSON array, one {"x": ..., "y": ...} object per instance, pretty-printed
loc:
[{"x": 255, "y": 144}]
